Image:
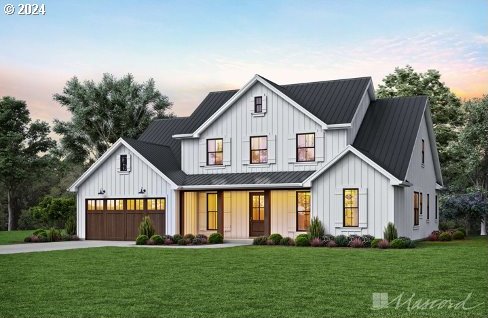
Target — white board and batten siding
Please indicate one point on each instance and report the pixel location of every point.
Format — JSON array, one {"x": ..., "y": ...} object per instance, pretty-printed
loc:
[
  {"x": 125, "y": 185},
  {"x": 281, "y": 122},
  {"x": 376, "y": 197},
  {"x": 423, "y": 180}
]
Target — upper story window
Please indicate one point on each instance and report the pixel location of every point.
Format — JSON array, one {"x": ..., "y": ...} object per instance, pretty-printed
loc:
[
  {"x": 423, "y": 152},
  {"x": 416, "y": 216},
  {"x": 351, "y": 207},
  {"x": 123, "y": 163},
  {"x": 428, "y": 206},
  {"x": 258, "y": 104},
  {"x": 259, "y": 149},
  {"x": 305, "y": 147},
  {"x": 435, "y": 212},
  {"x": 215, "y": 152}
]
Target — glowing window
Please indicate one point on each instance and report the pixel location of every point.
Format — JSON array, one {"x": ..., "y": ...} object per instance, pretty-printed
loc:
[{"x": 351, "y": 207}]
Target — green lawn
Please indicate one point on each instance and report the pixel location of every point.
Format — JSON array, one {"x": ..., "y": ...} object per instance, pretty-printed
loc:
[
  {"x": 254, "y": 281},
  {"x": 11, "y": 237}
]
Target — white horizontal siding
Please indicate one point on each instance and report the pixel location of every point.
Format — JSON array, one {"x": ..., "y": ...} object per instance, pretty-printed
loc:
[
  {"x": 281, "y": 120},
  {"x": 118, "y": 185}
]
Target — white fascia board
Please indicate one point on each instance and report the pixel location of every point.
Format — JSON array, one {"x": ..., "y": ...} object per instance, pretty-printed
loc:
[
  {"x": 349, "y": 148},
  {"x": 243, "y": 186},
  {"x": 241, "y": 92},
  {"x": 338, "y": 126},
  {"x": 106, "y": 155},
  {"x": 438, "y": 186}
]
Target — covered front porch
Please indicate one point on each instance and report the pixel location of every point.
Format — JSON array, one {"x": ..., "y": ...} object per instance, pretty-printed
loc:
[{"x": 245, "y": 213}]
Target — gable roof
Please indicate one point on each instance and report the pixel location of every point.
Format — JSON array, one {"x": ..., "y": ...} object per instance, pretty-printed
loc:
[{"x": 388, "y": 132}]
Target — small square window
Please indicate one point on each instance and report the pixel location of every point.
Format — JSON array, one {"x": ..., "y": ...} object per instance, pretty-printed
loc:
[{"x": 258, "y": 104}]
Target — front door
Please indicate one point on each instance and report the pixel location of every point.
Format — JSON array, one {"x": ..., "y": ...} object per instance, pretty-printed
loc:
[{"x": 256, "y": 214}]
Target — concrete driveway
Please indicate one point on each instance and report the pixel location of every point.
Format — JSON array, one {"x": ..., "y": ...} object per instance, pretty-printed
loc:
[{"x": 58, "y": 246}]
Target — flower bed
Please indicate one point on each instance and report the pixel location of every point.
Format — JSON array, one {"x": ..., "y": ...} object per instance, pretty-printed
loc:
[
  {"x": 188, "y": 239},
  {"x": 50, "y": 235},
  {"x": 448, "y": 235}
]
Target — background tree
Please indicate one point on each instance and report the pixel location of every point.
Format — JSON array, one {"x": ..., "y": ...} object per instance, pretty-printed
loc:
[
  {"x": 23, "y": 145},
  {"x": 103, "y": 112},
  {"x": 447, "y": 115}
]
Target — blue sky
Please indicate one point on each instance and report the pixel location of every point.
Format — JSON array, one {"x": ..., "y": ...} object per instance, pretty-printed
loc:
[{"x": 192, "y": 47}]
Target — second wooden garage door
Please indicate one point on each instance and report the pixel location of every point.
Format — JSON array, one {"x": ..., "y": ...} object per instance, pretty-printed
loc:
[{"x": 119, "y": 219}]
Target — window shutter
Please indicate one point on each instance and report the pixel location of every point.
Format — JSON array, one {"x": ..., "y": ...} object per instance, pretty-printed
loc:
[
  {"x": 227, "y": 151},
  {"x": 202, "y": 152},
  {"x": 363, "y": 207},
  {"x": 129, "y": 162},
  {"x": 227, "y": 212},
  {"x": 338, "y": 206},
  {"x": 292, "y": 149},
  {"x": 319, "y": 146},
  {"x": 117, "y": 163},
  {"x": 245, "y": 150},
  {"x": 251, "y": 104},
  {"x": 265, "y": 103},
  {"x": 271, "y": 148}
]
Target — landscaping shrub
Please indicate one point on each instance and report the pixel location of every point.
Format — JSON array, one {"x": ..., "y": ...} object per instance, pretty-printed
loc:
[
  {"x": 157, "y": 239},
  {"x": 432, "y": 237},
  {"x": 445, "y": 236},
  {"x": 458, "y": 235},
  {"x": 176, "y": 238},
  {"x": 316, "y": 228},
  {"x": 168, "y": 241},
  {"x": 28, "y": 239},
  {"x": 53, "y": 235},
  {"x": 189, "y": 237},
  {"x": 75, "y": 238},
  {"x": 353, "y": 237},
  {"x": 34, "y": 239},
  {"x": 390, "y": 232},
  {"x": 276, "y": 238},
  {"x": 183, "y": 242},
  {"x": 201, "y": 236},
  {"x": 367, "y": 239},
  {"x": 260, "y": 240},
  {"x": 302, "y": 240},
  {"x": 447, "y": 224},
  {"x": 397, "y": 243},
  {"x": 65, "y": 237},
  {"x": 327, "y": 238},
  {"x": 216, "y": 238},
  {"x": 331, "y": 244},
  {"x": 197, "y": 241},
  {"x": 270, "y": 242},
  {"x": 462, "y": 230},
  {"x": 146, "y": 227},
  {"x": 150, "y": 242},
  {"x": 70, "y": 226},
  {"x": 341, "y": 240},
  {"x": 142, "y": 239},
  {"x": 287, "y": 241},
  {"x": 356, "y": 243},
  {"x": 316, "y": 242},
  {"x": 383, "y": 244},
  {"x": 40, "y": 232},
  {"x": 374, "y": 243}
]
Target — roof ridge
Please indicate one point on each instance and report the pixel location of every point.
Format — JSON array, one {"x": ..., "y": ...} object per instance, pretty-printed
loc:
[
  {"x": 170, "y": 118},
  {"x": 400, "y": 97},
  {"x": 326, "y": 81},
  {"x": 148, "y": 143}
]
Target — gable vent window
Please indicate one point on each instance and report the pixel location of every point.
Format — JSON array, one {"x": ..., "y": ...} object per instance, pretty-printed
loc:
[
  {"x": 123, "y": 162},
  {"x": 258, "y": 104},
  {"x": 423, "y": 152},
  {"x": 305, "y": 147}
]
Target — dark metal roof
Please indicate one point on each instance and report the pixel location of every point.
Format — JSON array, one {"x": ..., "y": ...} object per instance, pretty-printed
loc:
[
  {"x": 388, "y": 132},
  {"x": 248, "y": 178},
  {"x": 161, "y": 157}
]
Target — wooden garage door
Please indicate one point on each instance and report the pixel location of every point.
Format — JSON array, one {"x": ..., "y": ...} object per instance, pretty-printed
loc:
[{"x": 119, "y": 219}]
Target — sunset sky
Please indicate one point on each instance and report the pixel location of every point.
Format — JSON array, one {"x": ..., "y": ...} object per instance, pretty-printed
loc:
[{"x": 192, "y": 47}]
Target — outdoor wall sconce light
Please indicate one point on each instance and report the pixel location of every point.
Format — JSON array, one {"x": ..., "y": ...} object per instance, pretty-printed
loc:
[
  {"x": 142, "y": 191},
  {"x": 101, "y": 192}
]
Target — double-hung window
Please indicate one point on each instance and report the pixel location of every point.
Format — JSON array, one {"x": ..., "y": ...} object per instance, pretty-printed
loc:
[
  {"x": 215, "y": 152},
  {"x": 305, "y": 147},
  {"x": 303, "y": 210},
  {"x": 258, "y": 104},
  {"x": 259, "y": 149},
  {"x": 351, "y": 207},
  {"x": 123, "y": 163}
]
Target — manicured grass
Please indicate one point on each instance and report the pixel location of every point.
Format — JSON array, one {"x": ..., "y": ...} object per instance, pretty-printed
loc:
[
  {"x": 254, "y": 281},
  {"x": 12, "y": 237}
]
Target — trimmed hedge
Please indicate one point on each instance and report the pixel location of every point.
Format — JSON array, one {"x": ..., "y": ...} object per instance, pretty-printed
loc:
[
  {"x": 142, "y": 239},
  {"x": 276, "y": 238},
  {"x": 216, "y": 238},
  {"x": 445, "y": 236},
  {"x": 302, "y": 240},
  {"x": 458, "y": 235},
  {"x": 341, "y": 240},
  {"x": 157, "y": 239}
]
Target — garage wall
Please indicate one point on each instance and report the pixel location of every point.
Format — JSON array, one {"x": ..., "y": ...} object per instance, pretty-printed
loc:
[{"x": 126, "y": 185}]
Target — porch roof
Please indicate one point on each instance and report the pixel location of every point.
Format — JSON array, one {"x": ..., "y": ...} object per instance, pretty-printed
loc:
[{"x": 243, "y": 179}]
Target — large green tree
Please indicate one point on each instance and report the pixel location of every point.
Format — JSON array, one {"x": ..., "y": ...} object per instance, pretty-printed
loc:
[
  {"x": 23, "y": 147},
  {"x": 105, "y": 111},
  {"x": 447, "y": 115}
]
